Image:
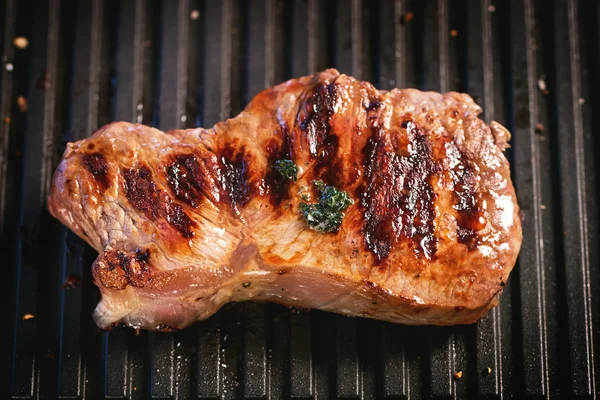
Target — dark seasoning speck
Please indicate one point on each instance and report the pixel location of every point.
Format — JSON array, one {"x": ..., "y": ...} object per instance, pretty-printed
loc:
[{"x": 72, "y": 281}]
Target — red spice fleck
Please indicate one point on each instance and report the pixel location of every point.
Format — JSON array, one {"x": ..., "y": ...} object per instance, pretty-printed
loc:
[{"x": 72, "y": 281}]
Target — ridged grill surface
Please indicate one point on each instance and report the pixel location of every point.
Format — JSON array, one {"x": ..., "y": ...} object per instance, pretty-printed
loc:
[{"x": 532, "y": 65}]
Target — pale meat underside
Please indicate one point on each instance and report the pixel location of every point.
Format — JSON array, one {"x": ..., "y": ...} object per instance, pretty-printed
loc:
[{"x": 188, "y": 220}]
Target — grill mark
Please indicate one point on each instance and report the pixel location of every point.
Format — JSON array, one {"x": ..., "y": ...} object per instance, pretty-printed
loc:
[
  {"x": 288, "y": 141},
  {"x": 178, "y": 219},
  {"x": 185, "y": 179},
  {"x": 96, "y": 164},
  {"x": 141, "y": 191},
  {"x": 373, "y": 109},
  {"x": 326, "y": 169},
  {"x": 399, "y": 200},
  {"x": 235, "y": 177},
  {"x": 466, "y": 204},
  {"x": 143, "y": 195},
  {"x": 277, "y": 185},
  {"x": 319, "y": 109}
]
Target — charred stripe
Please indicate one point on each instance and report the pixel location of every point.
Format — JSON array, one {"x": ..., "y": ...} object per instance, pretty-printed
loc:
[{"x": 97, "y": 165}]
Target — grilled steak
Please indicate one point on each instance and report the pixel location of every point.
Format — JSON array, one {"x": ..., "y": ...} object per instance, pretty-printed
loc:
[{"x": 188, "y": 220}]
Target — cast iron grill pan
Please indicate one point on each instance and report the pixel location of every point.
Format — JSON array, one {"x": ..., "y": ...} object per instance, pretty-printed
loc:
[{"x": 532, "y": 65}]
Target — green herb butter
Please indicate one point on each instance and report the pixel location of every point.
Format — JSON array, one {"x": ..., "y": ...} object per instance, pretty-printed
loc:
[
  {"x": 327, "y": 214},
  {"x": 287, "y": 169}
]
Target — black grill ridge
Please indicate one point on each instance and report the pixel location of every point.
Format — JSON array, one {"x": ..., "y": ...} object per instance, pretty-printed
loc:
[{"x": 532, "y": 65}]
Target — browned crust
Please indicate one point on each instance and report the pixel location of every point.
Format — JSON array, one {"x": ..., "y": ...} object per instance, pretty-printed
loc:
[{"x": 116, "y": 269}]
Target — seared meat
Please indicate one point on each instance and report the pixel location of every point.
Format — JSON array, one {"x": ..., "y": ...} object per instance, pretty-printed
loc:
[{"x": 188, "y": 220}]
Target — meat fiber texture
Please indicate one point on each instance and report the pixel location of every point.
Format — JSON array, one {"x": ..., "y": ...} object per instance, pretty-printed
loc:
[{"x": 188, "y": 220}]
